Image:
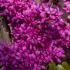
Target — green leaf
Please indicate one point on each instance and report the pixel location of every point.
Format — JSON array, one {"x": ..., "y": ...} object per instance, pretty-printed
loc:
[
  {"x": 52, "y": 66},
  {"x": 60, "y": 67},
  {"x": 66, "y": 65}
]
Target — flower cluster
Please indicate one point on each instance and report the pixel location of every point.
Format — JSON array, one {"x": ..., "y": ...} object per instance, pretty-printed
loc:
[
  {"x": 6, "y": 53},
  {"x": 9, "y": 59},
  {"x": 39, "y": 34}
]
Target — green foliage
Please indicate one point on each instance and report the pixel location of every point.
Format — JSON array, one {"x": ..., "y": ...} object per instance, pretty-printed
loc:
[
  {"x": 60, "y": 67},
  {"x": 63, "y": 66},
  {"x": 52, "y": 66},
  {"x": 66, "y": 66}
]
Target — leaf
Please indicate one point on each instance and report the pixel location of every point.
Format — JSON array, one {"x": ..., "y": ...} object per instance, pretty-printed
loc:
[
  {"x": 66, "y": 65},
  {"x": 52, "y": 66},
  {"x": 60, "y": 67}
]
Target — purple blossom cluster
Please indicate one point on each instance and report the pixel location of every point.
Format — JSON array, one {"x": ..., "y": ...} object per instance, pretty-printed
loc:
[
  {"x": 39, "y": 33},
  {"x": 9, "y": 59}
]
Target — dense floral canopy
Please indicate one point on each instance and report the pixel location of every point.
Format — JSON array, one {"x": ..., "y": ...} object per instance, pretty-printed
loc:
[{"x": 39, "y": 32}]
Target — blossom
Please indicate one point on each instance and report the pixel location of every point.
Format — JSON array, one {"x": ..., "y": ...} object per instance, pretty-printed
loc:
[{"x": 38, "y": 32}]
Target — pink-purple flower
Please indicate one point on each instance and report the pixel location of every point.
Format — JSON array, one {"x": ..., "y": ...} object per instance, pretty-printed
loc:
[{"x": 39, "y": 33}]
